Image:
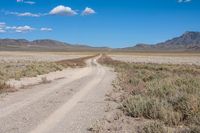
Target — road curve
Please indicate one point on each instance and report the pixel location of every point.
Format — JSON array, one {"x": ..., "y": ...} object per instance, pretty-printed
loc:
[{"x": 69, "y": 105}]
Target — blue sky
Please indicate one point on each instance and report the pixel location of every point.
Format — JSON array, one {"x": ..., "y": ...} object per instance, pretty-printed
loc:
[{"x": 113, "y": 23}]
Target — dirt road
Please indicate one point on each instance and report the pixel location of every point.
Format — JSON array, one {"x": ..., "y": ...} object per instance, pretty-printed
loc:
[{"x": 68, "y": 105}]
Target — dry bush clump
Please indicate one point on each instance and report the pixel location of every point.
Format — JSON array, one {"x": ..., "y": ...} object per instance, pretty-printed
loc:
[
  {"x": 78, "y": 62},
  {"x": 19, "y": 70},
  {"x": 3, "y": 86},
  {"x": 152, "y": 127},
  {"x": 160, "y": 92}
]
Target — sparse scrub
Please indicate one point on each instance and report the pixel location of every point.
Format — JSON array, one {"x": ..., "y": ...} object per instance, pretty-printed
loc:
[
  {"x": 19, "y": 69},
  {"x": 162, "y": 92},
  {"x": 78, "y": 62},
  {"x": 151, "y": 108},
  {"x": 152, "y": 127}
]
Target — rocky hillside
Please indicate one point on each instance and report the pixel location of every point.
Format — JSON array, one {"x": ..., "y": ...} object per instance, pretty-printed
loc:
[
  {"x": 189, "y": 41},
  {"x": 43, "y": 45}
]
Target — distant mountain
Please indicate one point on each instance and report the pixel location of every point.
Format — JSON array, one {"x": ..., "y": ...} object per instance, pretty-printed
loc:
[
  {"x": 44, "y": 45},
  {"x": 189, "y": 41}
]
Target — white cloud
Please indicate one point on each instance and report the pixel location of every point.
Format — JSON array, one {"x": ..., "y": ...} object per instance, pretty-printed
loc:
[
  {"x": 30, "y": 2},
  {"x": 184, "y": 1},
  {"x": 20, "y": 29},
  {"x": 2, "y": 25},
  {"x": 26, "y": 2},
  {"x": 46, "y": 29},
  {"x": 88, "y": 11},
  {"x": 62, "y": 10},
  {"x": 25, "y": 14},
  {"x": 2, "y": 31},
  {"x": 24, "y": 29},
  {"x": 19, "y": 0},
  {"x": 28, "y": 14}
]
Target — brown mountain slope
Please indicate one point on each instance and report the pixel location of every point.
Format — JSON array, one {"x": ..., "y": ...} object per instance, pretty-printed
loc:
[
  {"x": 43, "y": 45},
  {"x": 189, "y": 41}
]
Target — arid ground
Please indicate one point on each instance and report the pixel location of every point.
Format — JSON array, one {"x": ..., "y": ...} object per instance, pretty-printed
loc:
[
  {"x": 159, "y": 58},
  {"x": 90, "y": 92}
]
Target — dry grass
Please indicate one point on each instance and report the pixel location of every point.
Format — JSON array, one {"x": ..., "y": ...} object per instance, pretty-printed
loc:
[
  {"x": 6, "y": 88},
  {"x": 169, "y": 94},
  {"x": 152, "y": 127},
  {"x": 18, "y": 70},
  {"x": 78, "y": 62}
]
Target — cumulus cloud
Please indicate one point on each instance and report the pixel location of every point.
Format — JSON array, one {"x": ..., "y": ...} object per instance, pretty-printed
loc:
[
  {"x": 46, "y": 29},
  {"x": 20, "y": 29},
  {"x": 184, "y": 1},
  {"x": 28, "y": 14},
  {"x": 62, "y": 10},
  {"x": 88, "y": 11}
]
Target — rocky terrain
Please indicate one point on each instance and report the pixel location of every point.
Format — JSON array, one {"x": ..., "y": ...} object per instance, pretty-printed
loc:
[{"x": 189, "y": 41}]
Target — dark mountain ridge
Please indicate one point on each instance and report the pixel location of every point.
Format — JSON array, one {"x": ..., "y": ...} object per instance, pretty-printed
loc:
[
  {"x": 43, "y": 45},
  {"x": 189, "y": 41}
]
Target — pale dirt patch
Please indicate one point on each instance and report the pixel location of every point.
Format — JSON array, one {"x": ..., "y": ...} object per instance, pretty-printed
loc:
[
  {"x": 159, "y": 59},
  {"x": 29, "y": 81},
  {"x": 38, "y": 56}
]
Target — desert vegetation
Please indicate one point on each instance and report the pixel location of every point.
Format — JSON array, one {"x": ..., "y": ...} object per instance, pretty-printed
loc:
[
  {"x": 28, "y": 67},
  {"x": 81, "y": 62},
  {"x": 165, "y": 96}
]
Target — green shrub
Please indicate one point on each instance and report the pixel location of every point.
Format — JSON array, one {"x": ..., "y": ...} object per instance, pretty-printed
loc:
[{"x": 151, "y": 108}]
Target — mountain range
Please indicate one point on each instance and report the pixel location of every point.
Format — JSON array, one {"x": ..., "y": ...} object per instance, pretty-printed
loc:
[
  {"x": 43, "y": 45},
  {"x": 189, "y": 41}
]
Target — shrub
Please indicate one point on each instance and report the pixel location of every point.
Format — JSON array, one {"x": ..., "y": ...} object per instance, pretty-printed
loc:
[
  {"x": 151, "y": 108},
  {"x": 153, "y": 127},
  {"x": 169, "y": 93},
  {"x": 3, "y": 86}
]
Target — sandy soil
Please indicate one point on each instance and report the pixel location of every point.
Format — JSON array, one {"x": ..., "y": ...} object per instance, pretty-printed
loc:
[
  {"x": 38, "y": 56},
  {"x": 160, "y": 59},
  {"x": 71, "y": 104}
]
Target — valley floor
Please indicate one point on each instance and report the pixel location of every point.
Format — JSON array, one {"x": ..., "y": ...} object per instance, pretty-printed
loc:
[{"x": 71, "y": 104}]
